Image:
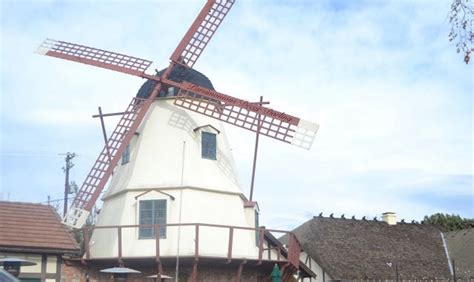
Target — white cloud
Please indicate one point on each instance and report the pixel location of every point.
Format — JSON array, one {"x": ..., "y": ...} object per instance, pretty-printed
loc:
[{"x": 390, "y": 93}]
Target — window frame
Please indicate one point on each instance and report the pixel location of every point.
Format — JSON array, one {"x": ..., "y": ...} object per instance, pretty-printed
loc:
[
  {"x": 154, "y": 219},
  {"x": 205, "y": 143},
  {"x": 126, "y": 155}
]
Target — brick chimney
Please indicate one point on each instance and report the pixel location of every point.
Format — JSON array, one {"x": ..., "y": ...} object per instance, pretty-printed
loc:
[{"x": 390, "y": 218}]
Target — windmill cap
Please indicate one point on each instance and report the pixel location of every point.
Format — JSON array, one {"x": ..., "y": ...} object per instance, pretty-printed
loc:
[{"x": 179, "y": 73}]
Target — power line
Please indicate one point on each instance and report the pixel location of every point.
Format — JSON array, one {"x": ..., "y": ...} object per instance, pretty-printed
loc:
[
  {"x": 39, "y": 154},
  {"x": 29, "y": 155},
  {"x": 55, "y": 200}
]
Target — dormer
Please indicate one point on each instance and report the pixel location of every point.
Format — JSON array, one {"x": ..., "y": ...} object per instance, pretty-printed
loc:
[{"x": 208, "y": 135}]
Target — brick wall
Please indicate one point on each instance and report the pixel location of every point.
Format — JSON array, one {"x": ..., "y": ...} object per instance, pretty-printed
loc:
[
  {"x": 72, "y": 273},
  {"x": 215, "y": 272}
]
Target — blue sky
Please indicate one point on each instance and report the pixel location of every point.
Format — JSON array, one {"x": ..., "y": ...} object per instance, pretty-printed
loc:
[{"x": 392, "y": 97}]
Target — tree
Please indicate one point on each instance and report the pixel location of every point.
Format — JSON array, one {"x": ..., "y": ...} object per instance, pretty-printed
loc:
[
  {"x": 449, "y": 222},
  {"x": 461, "y": 18}
]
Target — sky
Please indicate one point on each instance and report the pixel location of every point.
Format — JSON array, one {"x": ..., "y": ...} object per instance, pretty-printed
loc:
[{"x": 392, "y": 97}]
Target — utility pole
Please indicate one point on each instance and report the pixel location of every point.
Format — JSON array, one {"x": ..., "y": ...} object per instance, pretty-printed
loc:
[{"x": 69, "y": 165}]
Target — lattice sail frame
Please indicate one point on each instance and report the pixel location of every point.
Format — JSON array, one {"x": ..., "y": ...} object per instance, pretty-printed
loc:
[
  {"x": 244, "y": 114},
  {"x": 93, "y": 56},
  {"x": 103, "y": 167},
  {"x": 201, "y": 31}
]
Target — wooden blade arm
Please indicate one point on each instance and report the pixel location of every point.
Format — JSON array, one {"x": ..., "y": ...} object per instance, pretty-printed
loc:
[
  {"x": 251, "y": 116},
  {"x": 95, "y": 57},
  {"x": 201, "y": 31}
]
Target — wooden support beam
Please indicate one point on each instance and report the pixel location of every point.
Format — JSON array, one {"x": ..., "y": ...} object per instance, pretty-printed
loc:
[
  {"x": 287, "y": 272},
  {"x": 104, "y": 134},
  {"x": 231, "y": 242},
  {"x": 283, "y": 272},
  {"x": 194, "y": 273},
  {"x": 196, "y": 246},
  {"x": 239, "y": 270},
  {"x": 157, "y": 249},
  {"x": 260, "y": 245},
  {"x": 119, "y": 231}
]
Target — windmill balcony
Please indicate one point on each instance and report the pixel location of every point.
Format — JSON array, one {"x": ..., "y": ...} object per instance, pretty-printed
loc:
[{"x": 197, "y": 242}]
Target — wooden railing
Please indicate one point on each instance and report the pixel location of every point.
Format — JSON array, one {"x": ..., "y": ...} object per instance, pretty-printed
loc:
[{"x": 289, "y": 254}]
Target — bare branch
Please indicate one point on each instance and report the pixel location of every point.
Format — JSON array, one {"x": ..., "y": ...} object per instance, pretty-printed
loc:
[{"x": 461, "y": 18}]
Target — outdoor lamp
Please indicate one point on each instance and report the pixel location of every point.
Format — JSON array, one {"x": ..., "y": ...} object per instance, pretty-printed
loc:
[
  {"x": 162, "y": 277},
  {"x": 13, "y": 265},
  {"x": 120, "y": 273}
]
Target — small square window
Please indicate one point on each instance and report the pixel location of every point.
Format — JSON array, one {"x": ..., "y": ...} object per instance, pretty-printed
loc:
[
  {"x": 208, "y": 145},
  {"x": 126, "y": 155},
  {"x": 152, "y": 212}
]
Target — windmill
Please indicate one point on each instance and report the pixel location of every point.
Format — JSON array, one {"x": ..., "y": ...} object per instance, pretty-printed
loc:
[
  {"x": 251, "y": 116},
  {"x": 179, "y": 107}
]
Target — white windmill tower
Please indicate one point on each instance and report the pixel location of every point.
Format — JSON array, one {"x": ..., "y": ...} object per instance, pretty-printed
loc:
[{"x": 174, "y": 192}]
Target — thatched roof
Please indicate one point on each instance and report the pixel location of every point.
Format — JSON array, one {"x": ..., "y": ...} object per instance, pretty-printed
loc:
[
  {"x": 461, "y": 250},
  {"x": 367, "y": 249}
]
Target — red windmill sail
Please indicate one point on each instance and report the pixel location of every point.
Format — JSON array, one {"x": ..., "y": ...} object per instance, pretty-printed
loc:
[{"x": 201, "y": 32}]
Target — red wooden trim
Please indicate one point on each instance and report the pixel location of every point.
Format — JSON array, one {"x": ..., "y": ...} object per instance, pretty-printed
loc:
[
  {"x": 249, "y": 204},
  {"x": 292, "y": 254},
  {"x": 229, "y": 100},
  {"x": 282, "y": 270},
  {"x": 194, "y": 273},
  {"x": 191, "y": 224},
  {"x": 119, "y": 231},
  {"x": 239, "y": 270},
  {"x": 231, "y": 242},
  {"x": 190, "y": 33},
  {"x": 260, "y": 245},
  {"x": 94, "y": 63},
  {"x": 200, "y": 32},
  {"x": 196, "y": 250},
  {"x": 104, "y": 134},
  {"x": 157, "y": 245}
]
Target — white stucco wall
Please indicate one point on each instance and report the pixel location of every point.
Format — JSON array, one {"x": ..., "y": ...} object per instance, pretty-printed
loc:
[
  {"x": 157, "y": 153},
  {"x": 209, "y": 190},
  {"x": 315, "y": 267},
  {"x": 199, "y": 206}
]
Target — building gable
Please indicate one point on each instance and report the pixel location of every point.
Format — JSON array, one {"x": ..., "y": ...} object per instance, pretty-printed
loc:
[{"x": 33, "y": 228}]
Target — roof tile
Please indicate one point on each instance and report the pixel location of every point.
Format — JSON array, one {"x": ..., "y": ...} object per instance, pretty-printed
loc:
[{"x": 28, "y": 225}]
